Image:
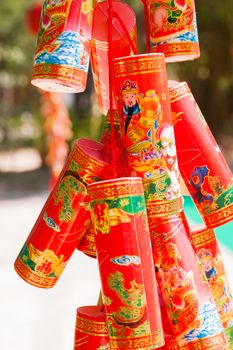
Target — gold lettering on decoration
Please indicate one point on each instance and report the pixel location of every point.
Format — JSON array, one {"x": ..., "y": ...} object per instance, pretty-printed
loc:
[
  {"x": 220, "y": 217},
  {"x": 139, "y": 66},
  {"x": 95, "y": 328},
  {"x": 31, "y": 277},
  {"x": 179, "y": 92},
  {"x": 181, "y": 48},
  {"x": 202, "y": 238}
]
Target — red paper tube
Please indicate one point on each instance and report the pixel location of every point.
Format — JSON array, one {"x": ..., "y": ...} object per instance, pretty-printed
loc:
[
  {"x": 63, "y": 47},
  {"x": 173, "y": 29},
  {"x": 146, "y": 119},
  {"x": 191, "y": 311},
  {"x": 201, "y": 163},
  {"x": 125, "y": 263},
  {"x": 87, "y": 244},
  {"x": 64, "y": 218},
  {"x": 212, "y": 270},
  {"x": 91, "y": 330},
  {"x": 124, "y": 41}
]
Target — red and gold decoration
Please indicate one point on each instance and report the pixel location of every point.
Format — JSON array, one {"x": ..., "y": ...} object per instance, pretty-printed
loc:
[
  {"x": 210, "y": 186},
  {"x": 212, "y": 270},
  {"x": 64, "y": 218},
  {"x": 91, "y": 329},
  {"x": 173, "y": 29},
  {"x": 63, "y": 46},
  {"x": 163, "y": 284},
  {"x": 123, "y": 39},
  {"x": 145, "y": 114},
  {"x": 126, "y": 267}
]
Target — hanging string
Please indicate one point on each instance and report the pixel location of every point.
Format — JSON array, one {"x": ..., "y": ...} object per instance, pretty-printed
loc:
[
  {"x": 147, "y": 26},
  {"x": 111, "y": 111}
]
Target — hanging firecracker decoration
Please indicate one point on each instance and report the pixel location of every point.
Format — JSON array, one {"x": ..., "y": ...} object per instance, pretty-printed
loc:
[
  {"x": 126, "y": 267},
  {"x": 173, "y": 29},
  {"x": 63, "y": 46},
  {"x": 212, "y": 270},
  {"x": 150, "y": 148},
  {"x": 64, "y": 218},
  {"x": 210, "y": 186},
  {"x": 120, "y": 200}
]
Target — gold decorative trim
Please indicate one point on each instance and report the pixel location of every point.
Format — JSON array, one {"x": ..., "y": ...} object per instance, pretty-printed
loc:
[
  {"x": 138, "y": 343},
  {"x": 202, "y": 238},
  {"x": 179, "y": 91},
  {"x": 160, "y": 208},
  {"x": 116, "y": 188},
  {"x": 143, "y": 65},
  {"x": 87, "y": 162},
  {"x": 31, "y": 277},
  {"x": 214, "y": 342},
  {"x": 62, "y": 72},
  {"x": 91, "y": 327},
  {"x": 173, "y": 49},
  {"x": 219, "y": 217}
]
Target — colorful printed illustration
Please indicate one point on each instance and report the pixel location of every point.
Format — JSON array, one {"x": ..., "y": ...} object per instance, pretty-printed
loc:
[
  {"x": 171, "y": 16},
  {"x": 150, "y": 144},
  {"x": 115, "y": 212},
  {"x": 126, "y": 260},
  {"x": 213, "y": 271},
  {"x": 189, "y": 318},
  {"x": 208, "y": 191},
  {"x": 53, "y": 20},
  {"x": 133, "y": 299},
  {"x": 51, "y": 223},
  {"x": 44, "y": 263},
  {"x": 70, "y": 186}
]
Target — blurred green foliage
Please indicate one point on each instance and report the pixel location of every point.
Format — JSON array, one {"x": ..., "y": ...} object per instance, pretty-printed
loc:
[{"x": 209, "y": 77}]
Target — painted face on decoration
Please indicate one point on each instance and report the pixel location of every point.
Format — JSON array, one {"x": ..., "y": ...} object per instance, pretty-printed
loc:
[{"x": 130, "y": 100}]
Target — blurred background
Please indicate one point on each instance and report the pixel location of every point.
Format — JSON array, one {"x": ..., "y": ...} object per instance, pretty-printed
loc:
[{"x": 44, "y": 320}]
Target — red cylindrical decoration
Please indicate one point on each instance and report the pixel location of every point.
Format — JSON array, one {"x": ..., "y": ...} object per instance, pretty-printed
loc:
[
  {"x": 191, "y": 311},
  {"x": 125, "y": 263},
  {"x": 123, "y": 39},
  {"x": 173, "y": 29},
  {"x": 64, "y": 217},
  {"x": 91, "y": 331},
  {"x": 212, "y": 270},
  {"x": 63, "y": 46},
  {"x": 201, "y": 163},
  {"x": 145, "y": 114}
]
